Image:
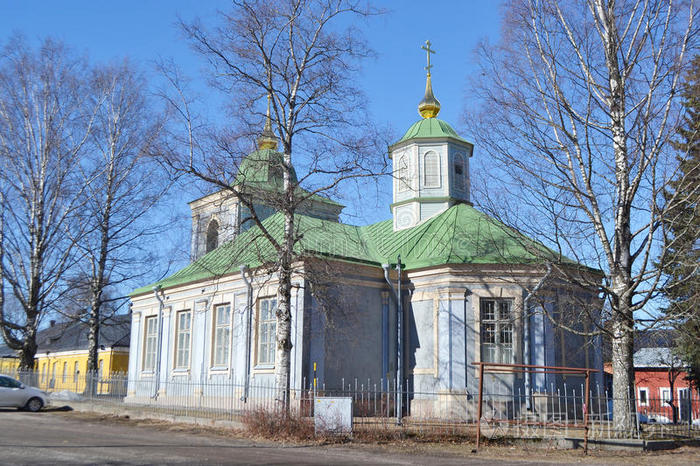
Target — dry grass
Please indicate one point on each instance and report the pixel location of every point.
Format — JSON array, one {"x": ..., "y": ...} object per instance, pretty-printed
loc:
[
  {"x": 279, "y": 425},
  {"x": 397, "y": 442}
]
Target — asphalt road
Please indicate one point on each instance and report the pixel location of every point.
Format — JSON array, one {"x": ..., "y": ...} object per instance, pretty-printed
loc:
[{"x": 53, "y": 438}]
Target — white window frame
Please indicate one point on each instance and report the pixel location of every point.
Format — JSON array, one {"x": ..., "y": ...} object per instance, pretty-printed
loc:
[
  {"x": 76, "y": 371},
  {"x": 183, "y": 340},
  {"x": 646, "y": 396},
  {"x": 266, "y": 332},
  {"x": 150, "y": 341},
  {"x": 504, "y": 352},
  {"x": 663, "y": 399},
  {"x": 432, "y": 183},
  {"x": 222, "y": 337}
]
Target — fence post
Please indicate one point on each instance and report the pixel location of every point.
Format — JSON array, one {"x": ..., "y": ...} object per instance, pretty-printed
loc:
[
  {"x": 586, "y": 408},
  {"x": 481, "y": 396}
]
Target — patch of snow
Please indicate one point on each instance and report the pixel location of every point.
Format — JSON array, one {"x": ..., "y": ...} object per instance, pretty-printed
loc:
[{"x": 65, "y": 395}]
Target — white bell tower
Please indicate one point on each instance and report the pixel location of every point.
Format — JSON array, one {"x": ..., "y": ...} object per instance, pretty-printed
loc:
[{"x": 430, "y": 164}]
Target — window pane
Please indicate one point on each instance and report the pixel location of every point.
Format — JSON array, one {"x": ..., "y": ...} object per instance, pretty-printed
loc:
[
  {"x": 489, "y": 333},
  {"x": 487, "y": 310},
  {"x": 504, "y": 310},
  {"x": 506, "y": 334},
  {"x": 506, "y": 355},
  {"x": 488, "y": 353}
]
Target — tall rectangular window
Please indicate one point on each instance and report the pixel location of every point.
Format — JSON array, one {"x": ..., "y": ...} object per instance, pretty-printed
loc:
[
  {"x": 497, "y": 331},
  {"x": 459, "y": 172},
  {"x": 402, "y": 174},
  {"x": 183, "y": 331},
  {"x": 222, "y": 335},
  {"x": 267, "y": 330},
  {"x": 150, "y": 342},
  {"x": 431, "y": 170},
  {"x": 643, "y": 396}
]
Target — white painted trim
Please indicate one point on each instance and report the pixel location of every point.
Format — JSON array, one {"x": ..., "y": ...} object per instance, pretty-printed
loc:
[{"x": 639, "y": 396}]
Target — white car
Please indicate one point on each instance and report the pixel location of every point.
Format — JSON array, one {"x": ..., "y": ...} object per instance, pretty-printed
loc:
[{"x": 15, "y": 394}]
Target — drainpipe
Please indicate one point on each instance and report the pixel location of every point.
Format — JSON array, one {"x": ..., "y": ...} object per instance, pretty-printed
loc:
[
  {"x": 203, "y": 364},
  {"x": 399, "y": 312},
  {"x": 467, "y": 293},
  {"x": 526, "y": 352},
  {"x": 248, "y": 331},
  {"x": 527, "y": 335},
  {"x": 161, "y": 306}
]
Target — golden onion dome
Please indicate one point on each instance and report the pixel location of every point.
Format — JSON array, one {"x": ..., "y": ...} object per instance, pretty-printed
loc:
[
  {"x": 267, "y": 139},
  {"x": 429, "y": 107}
]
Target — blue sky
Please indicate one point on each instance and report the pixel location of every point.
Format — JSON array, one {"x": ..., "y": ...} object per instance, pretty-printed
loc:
[
  {"x": 394, "y": 82},
  {"x": 144, "y": 30}
]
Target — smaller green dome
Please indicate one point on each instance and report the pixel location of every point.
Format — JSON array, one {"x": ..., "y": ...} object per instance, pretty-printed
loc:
[
  {"x": 262, "y": 169},
  {"x": 431, "y": 128}
]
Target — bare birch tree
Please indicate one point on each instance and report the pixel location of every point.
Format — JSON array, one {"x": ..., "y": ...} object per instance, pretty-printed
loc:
[
  {"x": 580, "y": 102},
  {"x": 299, "y": 54},
  {"x": 44, "y": 125},
  {"x": 123, "y": 184}
]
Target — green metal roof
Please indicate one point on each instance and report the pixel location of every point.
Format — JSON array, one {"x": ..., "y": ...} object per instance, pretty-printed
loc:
[
  {"x": 459, "y": 235},
  {"x": 431, "y": 128},
  {"x": 262, "y": 168}
]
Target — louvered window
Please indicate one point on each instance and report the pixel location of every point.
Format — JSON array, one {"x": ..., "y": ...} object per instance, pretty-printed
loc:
[
  {"x": 459, "y": 172},
  {"x": 431, "y": 170},
  {"x": 402, "y": 174}
]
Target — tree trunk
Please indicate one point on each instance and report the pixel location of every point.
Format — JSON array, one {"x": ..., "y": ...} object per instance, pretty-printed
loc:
[
  {"x": 93, "y": 345},
  {"x": 284, "y": 292},
  {"x": 284, "y": 333},
  {"x": 99, "y": 281},
  {"x": 29, "y": 347},
  {"x": 624, "y": 409},
  {"x": 623, "y": 375}
]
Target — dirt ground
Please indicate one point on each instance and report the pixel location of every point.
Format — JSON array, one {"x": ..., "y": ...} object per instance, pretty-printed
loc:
[{"x": 527, "y": 451}]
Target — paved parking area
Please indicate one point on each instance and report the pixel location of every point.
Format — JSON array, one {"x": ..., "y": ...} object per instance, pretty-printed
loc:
[{"x": 54, "y": 438}]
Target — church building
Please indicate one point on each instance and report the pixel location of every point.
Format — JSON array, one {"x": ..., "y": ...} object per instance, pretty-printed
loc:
[{"x": 417, "y": 298}]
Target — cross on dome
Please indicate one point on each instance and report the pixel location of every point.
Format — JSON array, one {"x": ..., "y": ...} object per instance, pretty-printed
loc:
[
  {"x": 428, "y": 51},
  {"x": 429, "y": 107}
]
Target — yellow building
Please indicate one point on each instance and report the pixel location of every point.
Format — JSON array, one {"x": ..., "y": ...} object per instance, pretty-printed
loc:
[
  {"x": 8, "y": 363},
  {"x": 61, "y": 359}
]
